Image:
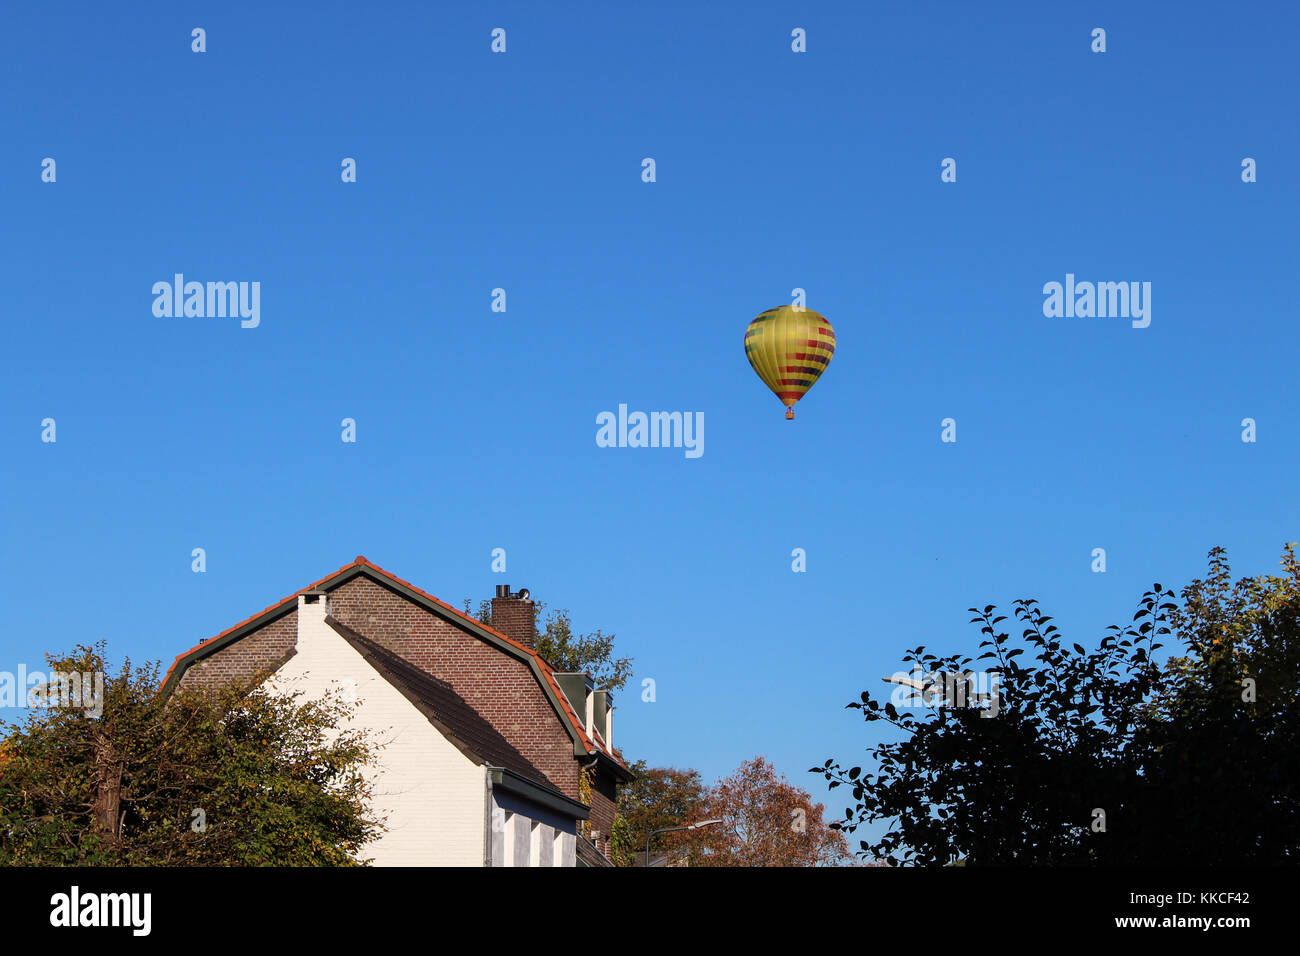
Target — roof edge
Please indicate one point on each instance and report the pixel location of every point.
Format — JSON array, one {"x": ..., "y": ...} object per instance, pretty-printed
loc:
[{"x": 551, "y": 799}]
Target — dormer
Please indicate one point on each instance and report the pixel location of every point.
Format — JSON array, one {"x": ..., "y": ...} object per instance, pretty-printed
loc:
[{"x": 595, "y": 708}]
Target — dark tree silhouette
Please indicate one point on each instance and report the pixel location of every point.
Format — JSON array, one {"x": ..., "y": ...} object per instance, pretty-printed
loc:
[{"x": 1102, "y": 756}]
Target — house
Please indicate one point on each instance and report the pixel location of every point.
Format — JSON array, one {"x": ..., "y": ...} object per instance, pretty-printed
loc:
[{"x": 491, "y": 756}]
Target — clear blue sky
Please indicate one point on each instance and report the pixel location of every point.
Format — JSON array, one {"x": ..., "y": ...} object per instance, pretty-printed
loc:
[{"x": 476, "y": 429}]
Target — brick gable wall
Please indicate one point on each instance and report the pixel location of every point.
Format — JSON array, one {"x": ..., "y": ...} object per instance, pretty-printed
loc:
[
  {"x": 602, "y": 809},
  {"x": 264, "y": 650},
  {"x": 500, "y": 687}
]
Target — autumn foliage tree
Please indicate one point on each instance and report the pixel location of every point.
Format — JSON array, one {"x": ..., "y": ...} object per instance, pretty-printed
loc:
[
  {"x": 659, "y": 798},
  {"x": 233, "y": 777},
  {"x": 767, "y": 821}
]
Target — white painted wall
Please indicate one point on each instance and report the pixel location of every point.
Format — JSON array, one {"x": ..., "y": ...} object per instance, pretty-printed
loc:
[
  {"x": 518, "y": 830},
  {"x": 530, "y": 837},
  {"x": 432, "y": 794},
  {"x": 566, "y": 849},
  {"x": 543, "y": 849}
]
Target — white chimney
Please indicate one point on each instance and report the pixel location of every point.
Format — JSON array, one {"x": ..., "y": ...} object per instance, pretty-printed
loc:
[{"x": 313, "y": 606}]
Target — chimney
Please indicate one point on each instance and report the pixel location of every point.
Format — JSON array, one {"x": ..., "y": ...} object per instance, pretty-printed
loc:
[
  {"x": 514, "y": 615},
  {"x": 313, "y": 606}
]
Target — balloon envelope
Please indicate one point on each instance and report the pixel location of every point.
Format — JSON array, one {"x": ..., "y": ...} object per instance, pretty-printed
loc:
[{"x": 789, "y": 348}]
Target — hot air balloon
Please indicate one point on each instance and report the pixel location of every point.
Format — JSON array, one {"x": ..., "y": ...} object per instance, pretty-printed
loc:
[{"x": 789, "y": 348}]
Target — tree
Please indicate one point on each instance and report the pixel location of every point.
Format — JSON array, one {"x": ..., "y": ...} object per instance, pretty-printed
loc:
[
  {"x": 1012, "y": 779},
  {"x": 591, "y": 653},
  {"x": 236, "y": 776},
  {"x": 1102, "y": 756},
  {"x": 767, "y": 821},
  {"x": 659, "y": 797},
  {"x": 1226, "y": 747}
]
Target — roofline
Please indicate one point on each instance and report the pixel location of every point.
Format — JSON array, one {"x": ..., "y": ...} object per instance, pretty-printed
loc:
[
  {"x": 619, "y": 769},
  {"x": 583, "y": 745},
  {"x": 511, "y": 782}
]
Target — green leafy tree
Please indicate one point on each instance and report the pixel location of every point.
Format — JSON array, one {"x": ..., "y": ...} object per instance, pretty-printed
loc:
[
  {"x": 1224, "y": 755},
  {"x": 567, "y": 650},
  {"x": 236, "y": 776},
  {"x": 660, "y": 797},
  {"x": 622, "y": 843}
]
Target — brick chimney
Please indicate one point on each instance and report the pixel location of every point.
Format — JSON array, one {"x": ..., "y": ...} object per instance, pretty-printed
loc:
[{"x": 514, "y": 615}]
